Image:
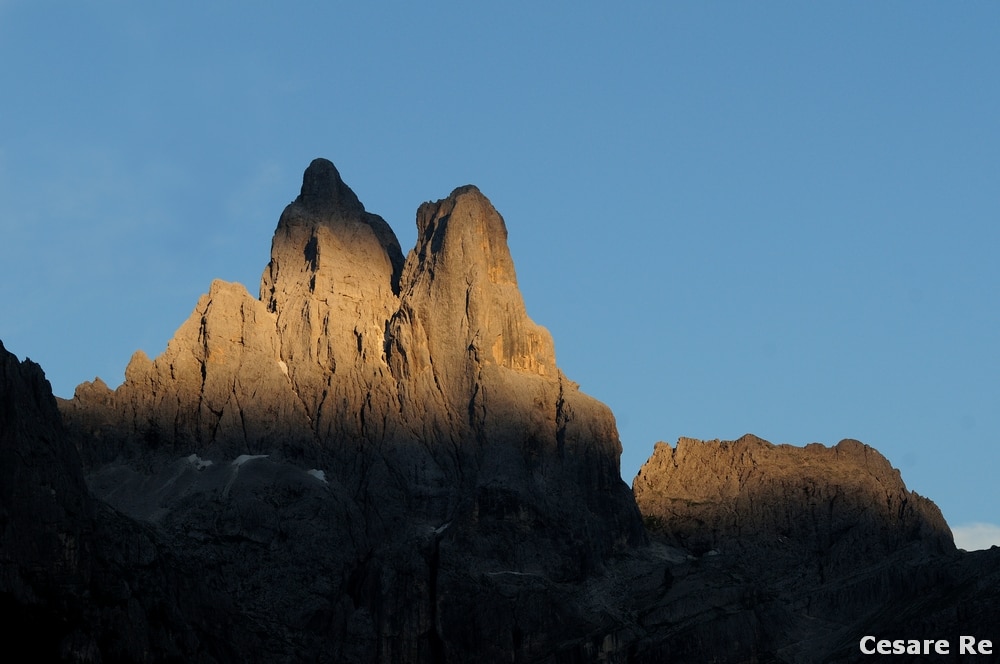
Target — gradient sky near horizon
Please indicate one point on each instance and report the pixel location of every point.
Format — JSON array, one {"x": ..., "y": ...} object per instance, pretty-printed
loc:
[{"x": 780, "y": 218}]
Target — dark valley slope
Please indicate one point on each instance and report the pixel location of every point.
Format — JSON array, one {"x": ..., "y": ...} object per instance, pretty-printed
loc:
[{"x": 377, "y": 459}]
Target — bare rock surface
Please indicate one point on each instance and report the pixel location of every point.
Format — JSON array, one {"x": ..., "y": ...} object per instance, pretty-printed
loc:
[
  {"x": 220, "y": 385},
  {"x": 257, "y": 558},
  {"x": 378, "y": 459},
  {"x": 838, "y": 505},
  {"x": 796, "y": 553},
  {"x": 332, "y": 285},
  {"x": 44, "y": 507},
  {"x": 410, "y": 411}
]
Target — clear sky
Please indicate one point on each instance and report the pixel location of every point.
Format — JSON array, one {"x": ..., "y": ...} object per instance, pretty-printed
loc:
[{"x": 778, "y": 218}]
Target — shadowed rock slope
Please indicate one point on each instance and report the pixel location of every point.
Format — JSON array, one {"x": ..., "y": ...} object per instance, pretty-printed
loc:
[{"x": 79, "y": 582}]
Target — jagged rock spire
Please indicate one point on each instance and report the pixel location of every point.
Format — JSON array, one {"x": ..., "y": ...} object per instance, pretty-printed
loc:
[
  {"x": 462, "y": 276},
  {"x": 324, "y": 192},
  {"x": 325, "y": 225},
  {"x": 424, "y": 385}
]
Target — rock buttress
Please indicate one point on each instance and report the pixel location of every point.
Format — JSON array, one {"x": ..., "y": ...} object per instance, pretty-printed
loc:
[
  {"x": 219, "y": 387},
  {"x": 841, "y": 504},
  {"x": 479, "y": 387}
]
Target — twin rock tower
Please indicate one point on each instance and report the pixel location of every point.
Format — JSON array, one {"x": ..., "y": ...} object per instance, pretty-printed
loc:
[{"x": 419, "y": 387}]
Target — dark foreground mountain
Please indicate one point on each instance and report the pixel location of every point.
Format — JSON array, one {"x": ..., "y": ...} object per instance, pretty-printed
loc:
[{"x": 377, "y": 459}]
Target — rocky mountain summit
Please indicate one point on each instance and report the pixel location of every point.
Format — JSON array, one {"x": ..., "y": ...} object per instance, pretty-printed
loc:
[
  {"x": 831, "y": 505},
  {"x": 425, "y": 401},
  {"x": 378, "y": 459},
  {"x": 808, "y": 549}
]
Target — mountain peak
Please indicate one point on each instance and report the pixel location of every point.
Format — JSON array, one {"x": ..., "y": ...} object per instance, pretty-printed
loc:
[
  {"x": 384, "y": 462},
  {"x": 324, "y": 191},
  {"x": 846, "y": 501},
  {"x": 425, "y": 389}
]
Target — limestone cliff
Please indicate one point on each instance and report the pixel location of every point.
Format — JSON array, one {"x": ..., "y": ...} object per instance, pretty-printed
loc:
[
  {"x": 332, "y": 285},
  {"x": 449, "y": 460},
  {"x": 423, "y": 383},
  {"x": 261, "y": 559},
  {"x": 220, "y": 385},
  {"x": 838, "y": 505},
  {"x": 44, "y": 510},
  {"x": 795, "y": 553}
]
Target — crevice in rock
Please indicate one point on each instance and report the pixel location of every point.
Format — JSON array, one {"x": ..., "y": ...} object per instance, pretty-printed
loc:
[{"x": 435, "y": 642}]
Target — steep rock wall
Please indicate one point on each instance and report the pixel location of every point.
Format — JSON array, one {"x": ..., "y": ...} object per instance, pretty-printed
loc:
[
  {"x": 841, "y": 505},
  {"x": 469, "y": 473}
]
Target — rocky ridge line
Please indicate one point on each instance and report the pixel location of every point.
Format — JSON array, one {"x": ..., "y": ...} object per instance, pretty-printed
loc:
[
  {"x": 795, "y": 553},
  {"x": 837, "y": 504},
  {"x": 379, "y": 460}
]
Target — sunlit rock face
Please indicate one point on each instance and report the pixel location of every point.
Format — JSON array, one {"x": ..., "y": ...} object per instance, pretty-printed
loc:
[
  {"x": 423, "y": 400},
  {"x": 479, "y": 387},
  {"x": 795, "y": 553},
  {"x": 220, "y": 385},
  {"x": 426, "y": 379},
  {"x": 261, "y": 558},
  {"x": 840, "y": 505},
  {"x": 332, "y": 283}
]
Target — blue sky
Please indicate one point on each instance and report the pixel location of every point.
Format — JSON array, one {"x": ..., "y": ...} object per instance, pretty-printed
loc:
[{"x": 777, "y": 218}]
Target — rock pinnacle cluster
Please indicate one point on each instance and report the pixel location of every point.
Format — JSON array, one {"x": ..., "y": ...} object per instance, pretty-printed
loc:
[
  {"x": 420, "y": 389},
  {"x": 377, "y": 459}
]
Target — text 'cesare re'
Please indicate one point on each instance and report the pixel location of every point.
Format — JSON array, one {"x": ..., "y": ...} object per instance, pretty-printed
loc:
[{"x": 967, "y": 645}]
